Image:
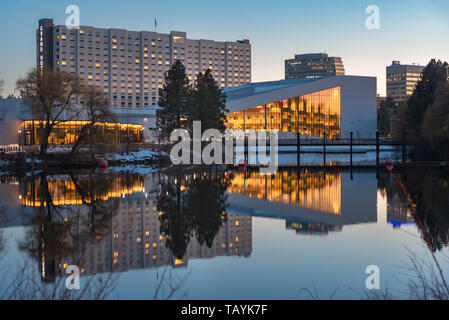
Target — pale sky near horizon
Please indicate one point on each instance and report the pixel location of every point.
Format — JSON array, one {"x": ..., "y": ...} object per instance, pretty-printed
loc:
[{"x": 412, "y": 31}]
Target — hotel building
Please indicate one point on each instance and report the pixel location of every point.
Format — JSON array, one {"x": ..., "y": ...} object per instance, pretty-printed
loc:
[
  {"x": 402, "y": 79},
  {"x": 313, "y": 65},
  {"x": 130, "y": 66},
  {"x": 330, "y": 107}
]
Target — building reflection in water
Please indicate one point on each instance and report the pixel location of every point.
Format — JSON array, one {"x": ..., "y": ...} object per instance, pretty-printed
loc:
[
  {"x": 315, "y": 190},
  {"x": 131, "y": 236},
  {"x": 118, "y": 222},
  {"x": 308, "y": 228},
  {"x": 310, "y": 200}
]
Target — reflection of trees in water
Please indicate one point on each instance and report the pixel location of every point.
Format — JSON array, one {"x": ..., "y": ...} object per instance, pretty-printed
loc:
[
  {"x": 192, "y": 205},
  {"x": 25, "y": 286},
  {"x": 429, "y": 189},
  {"x": 59, "y": 231},
  {"x": 2, "y": 236}
]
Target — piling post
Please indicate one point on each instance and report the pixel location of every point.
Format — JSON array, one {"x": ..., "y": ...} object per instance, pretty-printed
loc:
[
  {"x": 377, "y": 149},
  {"x": 298, "y": 149},
  {"x": 246, "y": 149},
  {"x": 350, "y": 148},
  {"x": 403, "y": 148},
  {"x": 324, "y": 149}
]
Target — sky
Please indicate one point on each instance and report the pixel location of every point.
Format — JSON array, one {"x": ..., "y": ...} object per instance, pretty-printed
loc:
[{"x": 412, "y": 31}]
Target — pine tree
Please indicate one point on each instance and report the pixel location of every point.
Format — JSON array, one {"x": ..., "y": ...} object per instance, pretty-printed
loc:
[
  {"x": 386, "y": 107},
  {"x": 208, "y": 103},
  {"x": 174, "y": 100},
  {"x": 424, "y": 95}
]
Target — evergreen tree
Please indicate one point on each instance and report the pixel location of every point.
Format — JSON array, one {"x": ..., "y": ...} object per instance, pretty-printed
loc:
[
  {"x": 386, "y": 107},
  {"x": 208, "y": 103},
  {"x": 174, "y": 100},
  {"x": 424, "y": 95}
]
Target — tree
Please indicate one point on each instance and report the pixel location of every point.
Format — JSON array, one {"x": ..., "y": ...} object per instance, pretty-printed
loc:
[
  {"x": 207, "y": 201},
  {"x": 423, "y": 96},
  {"x": 174, "y": 100},
  {"x": 208, "y": 103},
  {"x": 176, "y": 221},
  {"x": 96, "y": 110},
  {"x": 1, "y": 85},
  {"x": 49, "y": 95},
  {"x": 435, "y": 129},
  {"x": 384, "y": 116}
]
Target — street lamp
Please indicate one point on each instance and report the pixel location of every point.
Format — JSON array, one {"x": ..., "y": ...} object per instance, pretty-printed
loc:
[{"x": 20, "y": 131}]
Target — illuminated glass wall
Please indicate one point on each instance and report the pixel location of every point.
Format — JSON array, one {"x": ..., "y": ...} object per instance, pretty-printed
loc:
[
  {"x": 66, "y": 133},
  {"x": 316, "y": 114}
]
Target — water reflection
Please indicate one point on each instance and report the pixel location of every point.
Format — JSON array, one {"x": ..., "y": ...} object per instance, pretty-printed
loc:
[
  {"x": 317, "y": 190},
  {"x": 311, "y": 200},
  {"x": 194, "y": 206},
  {"x": 428, "y": 188},
  {"x": 118, "y": 222},
  {"x": 110, "y": 222}
]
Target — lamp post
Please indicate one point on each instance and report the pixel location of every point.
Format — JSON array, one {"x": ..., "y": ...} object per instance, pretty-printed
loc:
[{"x": 20, "y": 132}]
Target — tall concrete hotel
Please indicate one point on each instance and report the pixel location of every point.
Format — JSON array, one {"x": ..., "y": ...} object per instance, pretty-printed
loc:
[{"x": 130, "y": 66}]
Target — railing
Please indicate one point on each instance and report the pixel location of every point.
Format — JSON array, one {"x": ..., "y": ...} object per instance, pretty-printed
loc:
[
  {"x": 10, "y": 148},
  {"x": 338, "y": 142},
  {"x": 345, "y": 142}
]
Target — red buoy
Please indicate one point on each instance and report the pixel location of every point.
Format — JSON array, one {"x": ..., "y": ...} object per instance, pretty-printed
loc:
[
  {"x": 242, "y": 165},
  {"x": 389, "y": 164},
  {"x": 103, "y": 163}
]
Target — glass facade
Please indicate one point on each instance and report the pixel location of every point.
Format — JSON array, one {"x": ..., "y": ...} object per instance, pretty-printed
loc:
[
  {"x": 316, "y": 114},
  {"x": 66, "y": 133}
]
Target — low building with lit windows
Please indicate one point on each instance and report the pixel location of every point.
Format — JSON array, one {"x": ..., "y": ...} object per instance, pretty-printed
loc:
[
  {"x": 19, "y": 126},
  {"x": 328, "y": 107}
]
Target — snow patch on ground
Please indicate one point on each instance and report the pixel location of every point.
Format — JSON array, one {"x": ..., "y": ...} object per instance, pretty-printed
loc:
[{"x": 141, "y": 155}]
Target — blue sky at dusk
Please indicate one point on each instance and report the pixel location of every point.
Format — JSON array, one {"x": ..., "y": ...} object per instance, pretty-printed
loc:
[{"x": 412, "y": 31}]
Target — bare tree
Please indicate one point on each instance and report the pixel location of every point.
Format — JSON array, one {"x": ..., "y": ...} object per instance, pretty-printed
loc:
[
  {"x": 92, "y": 135},
  {"x": 49, "y": 95}
]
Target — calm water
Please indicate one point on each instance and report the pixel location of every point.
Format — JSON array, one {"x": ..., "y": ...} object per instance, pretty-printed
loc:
[{"x": 221, "y": 235}]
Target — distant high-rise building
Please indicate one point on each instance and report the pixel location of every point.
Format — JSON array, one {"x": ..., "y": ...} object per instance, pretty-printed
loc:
[
  {"x": 402, "y": 79},
  {"x": 313, "y": 65},
  {"x": 130, "y": 66}
]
